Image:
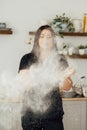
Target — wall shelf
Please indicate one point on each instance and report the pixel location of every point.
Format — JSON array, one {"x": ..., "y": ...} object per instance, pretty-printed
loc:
[
  {"x": 67, "y": 33},
  {"x": 6, "y": 31},
  {"x": 78, "y": 56},
  {"x": 74, "y": 34},
  {"x": 32, "y": 33}
]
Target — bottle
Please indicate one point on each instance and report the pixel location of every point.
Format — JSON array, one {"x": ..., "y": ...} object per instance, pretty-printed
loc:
[{"x": 85, "y": 23}]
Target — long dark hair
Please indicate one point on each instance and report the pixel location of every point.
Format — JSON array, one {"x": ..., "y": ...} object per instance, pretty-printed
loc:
[{"x": 36, "y": 47}]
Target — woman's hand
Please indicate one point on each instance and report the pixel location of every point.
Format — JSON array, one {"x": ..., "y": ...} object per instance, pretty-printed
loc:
[
  {"x": 69, "y": 72},
  {"x": 67, "y": 84}
]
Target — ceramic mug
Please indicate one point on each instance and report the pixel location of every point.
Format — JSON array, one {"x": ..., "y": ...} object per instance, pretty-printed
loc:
[{"x": 78, "y": 25}]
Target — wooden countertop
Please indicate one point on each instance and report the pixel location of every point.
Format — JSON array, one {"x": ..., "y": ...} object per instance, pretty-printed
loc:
[
  {"x": 75, "y": 99},
  {"x": 64, "y": 99},
  {"x": 10, "y": 101}
]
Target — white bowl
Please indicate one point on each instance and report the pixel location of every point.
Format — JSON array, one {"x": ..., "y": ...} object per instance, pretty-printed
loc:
[
  {"x": 68, "y": 94},
  {"x": 85, "y": 91}
]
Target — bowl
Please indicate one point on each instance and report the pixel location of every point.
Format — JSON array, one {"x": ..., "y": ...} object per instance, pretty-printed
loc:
[
  {"x": 84, "y": 91},
  {"x": 70, "y": 94}
]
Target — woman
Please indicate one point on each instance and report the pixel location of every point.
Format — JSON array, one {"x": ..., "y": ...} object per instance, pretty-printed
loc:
[{"x": 42, "y": 104}]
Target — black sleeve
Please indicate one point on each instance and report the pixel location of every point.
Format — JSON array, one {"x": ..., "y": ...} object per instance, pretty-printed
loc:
[
  {"x": 26, "y": 61},
  {"x": 23, "y": 62}
]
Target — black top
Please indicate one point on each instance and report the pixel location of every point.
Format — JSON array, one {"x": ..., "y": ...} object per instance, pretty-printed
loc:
[
  {"x": 55, "y": 111},
  {"x": 28, "y": 59}
]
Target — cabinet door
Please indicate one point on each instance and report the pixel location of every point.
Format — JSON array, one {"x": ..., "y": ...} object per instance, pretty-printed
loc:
[
  {"x": 75, "y": 115},
  {"x": 10, "y": 116},
  {"x": 5, "y": 116}
]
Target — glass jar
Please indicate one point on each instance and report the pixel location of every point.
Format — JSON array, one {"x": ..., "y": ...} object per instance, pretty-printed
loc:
[{"x": 2, "y": 25}]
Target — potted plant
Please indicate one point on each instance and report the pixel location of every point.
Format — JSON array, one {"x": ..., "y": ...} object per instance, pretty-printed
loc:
[
  {"x": 62, "y": 23},
  {"x": 86, "y": 49},
  {"x": 81, "y": 49}
]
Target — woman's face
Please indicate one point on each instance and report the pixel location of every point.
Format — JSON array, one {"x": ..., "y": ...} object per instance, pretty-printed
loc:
[{"x": 46, "y": 40}]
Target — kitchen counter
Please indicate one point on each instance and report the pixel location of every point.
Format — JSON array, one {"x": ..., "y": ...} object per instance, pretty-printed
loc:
[
  {"x": 64, "y": 99},
  {"x": 75, "y": 110},
  {"x": 75, "y": 99},
  {"x": 10, "y": 101}
]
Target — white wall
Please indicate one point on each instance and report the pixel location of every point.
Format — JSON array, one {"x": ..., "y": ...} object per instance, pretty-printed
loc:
[{"x": 24, "y": 16}]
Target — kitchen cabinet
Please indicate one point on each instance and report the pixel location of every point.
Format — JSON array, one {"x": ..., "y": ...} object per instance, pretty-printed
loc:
[
  {"x": 75, "y": 117},
  {"x": 10, "y": 115}
]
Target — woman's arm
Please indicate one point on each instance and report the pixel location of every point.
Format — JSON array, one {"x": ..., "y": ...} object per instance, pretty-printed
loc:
[{"x": 67, "y": 82}]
